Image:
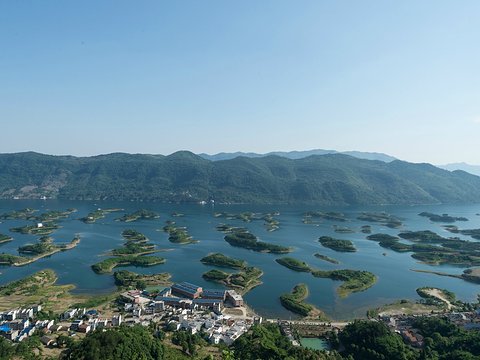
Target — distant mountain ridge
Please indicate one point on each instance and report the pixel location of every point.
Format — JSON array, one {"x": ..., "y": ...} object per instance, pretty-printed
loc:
[
  {"x": 331, "y": 179},
  {"x": 472, "y": 169},
  {"x": 300, "y": 155}
]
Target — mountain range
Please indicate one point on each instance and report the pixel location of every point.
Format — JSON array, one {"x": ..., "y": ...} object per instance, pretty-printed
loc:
[
  {"x": 300, "y": 155},
  {"x": 331, "y": 179}
]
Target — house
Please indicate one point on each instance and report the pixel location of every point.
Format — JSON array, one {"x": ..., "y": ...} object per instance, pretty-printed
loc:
[
  {"x": 69, "y": 314},
  {"x": 116, "y": 320},
  {"x": 234, "y": 298},
  {"x": 47, "y": 341},
  {"x": 412, "y": 338},
  {"x": 159, "y": 306},
  {"x": 11, "y": 334},
  {"x": 11, "y": 315},
  {"x": 137, "y": 312},
  {"x": 102, "y": 323},
  {"x": 76, "y": 324},
  {"x": 57, "y": 327},
  {"x": 84, "y": 328}
]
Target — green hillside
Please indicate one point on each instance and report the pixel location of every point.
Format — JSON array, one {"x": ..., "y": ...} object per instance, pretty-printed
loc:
[{"x": 185, "y": 177}]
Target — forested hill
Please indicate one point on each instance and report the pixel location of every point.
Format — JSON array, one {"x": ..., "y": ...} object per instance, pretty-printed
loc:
[{"x": 185, "y": 177}]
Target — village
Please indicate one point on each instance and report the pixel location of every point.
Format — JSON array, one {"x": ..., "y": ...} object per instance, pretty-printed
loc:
[{"x": 219, "y": 314}]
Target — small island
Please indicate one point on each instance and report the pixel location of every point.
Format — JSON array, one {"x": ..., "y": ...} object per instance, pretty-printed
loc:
[
  {"x": 270, "y": 223},
  {"x": 129, "y": 279},
  {"x": 97, "y": 215},
  {"x": 244, "y": 239},
  {"x": 133, "y": 253},
  {"x": 342, "y": 229},
  {"x": 353, "y": 280},
  {"x": 44, "y": 248},
  {"x": 134, "y": 248},
  {"x": 244, "y": 280},
  {"x": 366, "y": 229},
  {"x": 178, "y": 235},
  {"x": 382, "y": 237},
  {"x": 228, "y": 228},
  {"x": 142, "y": 214},
  {"x": 40, "y": 229},
  {"x": 133, "y": 235},
  {"x": 471, "y": 275},
  {"x": 24, "y": 214},
  {"x": 326, "y": 258},
  {"x": 5, "y": 238},
  {"x": 107, "y": 265},
  {"x": 312, "y": 217},
  {"x": 390, "y": 242},
  {"x": 247, "y": 278},
  {"x": 424, "y": 236},
  {"x": 430, "y": 248},
  {"x": 54, "y": 215},
  {"x": 294, "y": 264},
  {"x": 337, "y": 244},
  {"x": 44, "y": 245},
  {"x": 295, "y": 302},
  {"x": 445, "y": 218},
  {"x": 221, "y": 260},
  {"x": 474, "y": 233},
  {"x": 382, "y": 218},
  {"x": 439, "y": 258}
]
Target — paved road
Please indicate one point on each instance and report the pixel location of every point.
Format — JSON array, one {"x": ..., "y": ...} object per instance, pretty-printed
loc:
[{"x": 311, "y": 322}]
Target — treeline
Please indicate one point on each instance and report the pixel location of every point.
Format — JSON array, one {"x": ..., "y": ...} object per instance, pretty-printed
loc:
[{"x": 359, "y": 340}]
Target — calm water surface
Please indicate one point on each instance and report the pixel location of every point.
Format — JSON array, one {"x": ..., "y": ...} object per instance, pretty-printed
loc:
[
  {"x": 395, "y": 280},
  {"x": 315, "y": 343}
]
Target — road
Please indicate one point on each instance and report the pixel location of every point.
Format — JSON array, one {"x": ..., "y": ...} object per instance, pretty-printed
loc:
[{"x": 337, "y": 324}]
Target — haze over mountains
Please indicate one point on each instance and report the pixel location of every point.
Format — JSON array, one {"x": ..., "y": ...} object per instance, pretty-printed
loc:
[
  {"x": 472, "y": 169},
  {"x": 331, "y": 179},
  {"x": 300, "y": 155}
]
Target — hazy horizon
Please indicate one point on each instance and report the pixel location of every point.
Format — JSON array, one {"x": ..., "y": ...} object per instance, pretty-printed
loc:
[{"x": 90, "y": 78}]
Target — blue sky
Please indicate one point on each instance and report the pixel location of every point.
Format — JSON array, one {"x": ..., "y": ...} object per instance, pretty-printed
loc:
[{"x": 90, "y": 77}]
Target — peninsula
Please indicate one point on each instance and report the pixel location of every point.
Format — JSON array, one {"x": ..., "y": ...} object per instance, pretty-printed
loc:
[{"x": 295, "y": 302}]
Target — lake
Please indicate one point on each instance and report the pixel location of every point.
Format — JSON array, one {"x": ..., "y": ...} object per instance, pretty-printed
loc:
[{"x": 395, "y": 279}]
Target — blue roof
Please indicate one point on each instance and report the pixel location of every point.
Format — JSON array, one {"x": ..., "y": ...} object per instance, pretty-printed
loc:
[
  {"x": 5, "y": 328},
  {"x": 214, "y": 292},
  {"x": 166, "y": 299},
  {"x": 186, "y": 287},
  {"x": 26, "y": 330},
  {"x": 164, "y": 291},
  {"x": 206, "y": 301}
]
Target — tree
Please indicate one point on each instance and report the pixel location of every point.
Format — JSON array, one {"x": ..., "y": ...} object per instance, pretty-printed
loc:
[
  {"x": 372, "y": 340},
  {"x": 123, "y": 343}
]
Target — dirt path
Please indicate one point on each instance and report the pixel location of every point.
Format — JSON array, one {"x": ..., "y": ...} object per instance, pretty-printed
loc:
[{"x": 439, "y": 295}]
